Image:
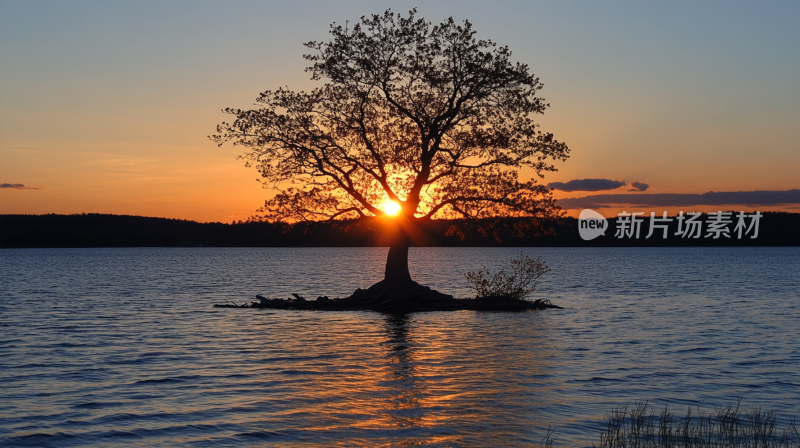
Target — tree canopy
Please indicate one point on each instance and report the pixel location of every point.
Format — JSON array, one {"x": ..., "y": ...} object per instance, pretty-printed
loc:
[{"x": 426, "y": 116}]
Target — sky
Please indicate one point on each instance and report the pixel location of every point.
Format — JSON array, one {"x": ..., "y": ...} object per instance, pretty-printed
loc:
[{"x": 105, "y": 107}]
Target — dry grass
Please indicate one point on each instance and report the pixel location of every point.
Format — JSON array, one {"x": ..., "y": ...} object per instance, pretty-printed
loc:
[{"x": 728, "y": 427}]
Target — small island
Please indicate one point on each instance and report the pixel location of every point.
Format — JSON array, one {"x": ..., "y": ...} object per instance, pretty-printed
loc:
[
  {"x": 434, "y": 302},
  {"x": 499, "y": 291}
]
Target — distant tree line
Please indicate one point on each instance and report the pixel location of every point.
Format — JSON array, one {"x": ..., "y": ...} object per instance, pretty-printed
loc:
[{"x": 101, "y": 230}]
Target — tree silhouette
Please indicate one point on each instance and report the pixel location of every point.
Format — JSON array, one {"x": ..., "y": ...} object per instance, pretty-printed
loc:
[{"x": 424, "y": 117}]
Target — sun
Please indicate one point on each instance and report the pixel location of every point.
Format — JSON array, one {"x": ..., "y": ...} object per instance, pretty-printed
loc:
[{"x": 390, "y": 207}]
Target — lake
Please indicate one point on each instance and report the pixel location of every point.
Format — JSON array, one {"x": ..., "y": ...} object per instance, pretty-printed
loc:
[{"x": 104, "y": 347}]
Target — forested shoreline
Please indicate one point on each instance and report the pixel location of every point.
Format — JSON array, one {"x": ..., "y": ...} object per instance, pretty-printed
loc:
[{"x": 104, "y": 230}]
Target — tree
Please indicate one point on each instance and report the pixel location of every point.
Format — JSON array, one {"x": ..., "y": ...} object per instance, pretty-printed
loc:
[{"x": 413, "y": 122}]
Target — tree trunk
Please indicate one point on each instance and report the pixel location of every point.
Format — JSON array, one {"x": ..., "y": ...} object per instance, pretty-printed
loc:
[
  {"x": 397, "y": 261},
  {"x": 397, "y": 290}
]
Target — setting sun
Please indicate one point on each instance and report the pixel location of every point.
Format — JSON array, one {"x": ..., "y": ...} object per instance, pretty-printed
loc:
[{"x": 390, "y": 207}]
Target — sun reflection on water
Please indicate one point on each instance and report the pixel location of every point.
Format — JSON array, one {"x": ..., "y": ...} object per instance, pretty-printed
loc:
[{"x": 433, "y": 381}]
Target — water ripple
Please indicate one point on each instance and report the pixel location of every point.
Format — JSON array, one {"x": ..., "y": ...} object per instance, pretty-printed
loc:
[{"x": 121, "y": 346}]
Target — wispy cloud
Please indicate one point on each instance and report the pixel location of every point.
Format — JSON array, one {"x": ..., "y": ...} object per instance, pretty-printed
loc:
[
  {"x": 20, "y": 187},
  {"x": 749, "y": 198},
  {"x": 587, "y": 185},
  {"x": 639, "y": 186}
]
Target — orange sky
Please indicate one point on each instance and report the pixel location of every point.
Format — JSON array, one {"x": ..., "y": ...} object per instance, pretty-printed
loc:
[{"x": 106, "y": 108}]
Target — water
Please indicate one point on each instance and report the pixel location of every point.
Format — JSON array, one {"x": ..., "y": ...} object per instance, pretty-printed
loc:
[{"x": 104, "y": 347}]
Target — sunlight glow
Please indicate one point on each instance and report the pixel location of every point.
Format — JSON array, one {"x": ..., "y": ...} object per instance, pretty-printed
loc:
[{"x": 390, "y": 207}]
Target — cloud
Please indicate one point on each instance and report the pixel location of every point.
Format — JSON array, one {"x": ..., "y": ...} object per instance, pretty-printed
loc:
[
  {"x": 587, "y": 185},
  {"x": 639, "y": 186},
  {"x": 749, "y": 198},
  {"x": 19, "y": 187}
]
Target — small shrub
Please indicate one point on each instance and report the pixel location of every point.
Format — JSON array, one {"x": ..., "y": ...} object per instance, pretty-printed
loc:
[{"x": 516, "y": 285}]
